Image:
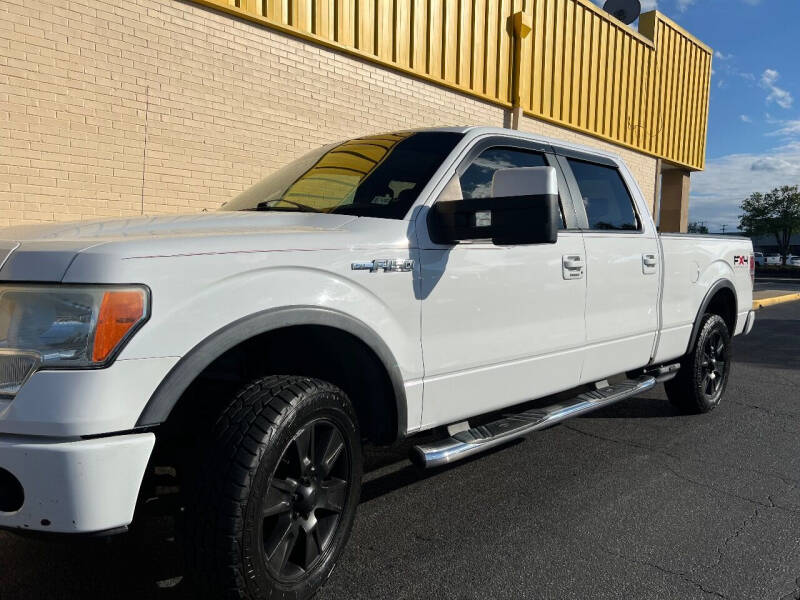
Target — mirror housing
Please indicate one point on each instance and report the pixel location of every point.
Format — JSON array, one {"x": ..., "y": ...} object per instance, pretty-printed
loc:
[{"x": 523, "y": 209}]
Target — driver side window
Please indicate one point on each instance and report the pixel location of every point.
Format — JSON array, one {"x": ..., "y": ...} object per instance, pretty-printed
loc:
[{"x": 476, "y": 181}]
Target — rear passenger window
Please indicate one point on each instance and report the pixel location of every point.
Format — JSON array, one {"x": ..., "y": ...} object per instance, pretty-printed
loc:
[
  {"x": 608, "y": 203},
  {"x": 476, "y": 182}
]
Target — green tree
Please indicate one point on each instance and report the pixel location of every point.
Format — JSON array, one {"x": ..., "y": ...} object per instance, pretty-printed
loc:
[
  {"x": 695, "y": 227},
  {"x": 775, "y": 213}
]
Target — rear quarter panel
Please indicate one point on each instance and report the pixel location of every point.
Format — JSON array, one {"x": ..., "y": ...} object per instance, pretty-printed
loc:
[{"x": 692, "y": 265}]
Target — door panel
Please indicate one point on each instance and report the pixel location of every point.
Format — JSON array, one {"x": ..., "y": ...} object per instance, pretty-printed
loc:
[
  {"x": 623, "y": 270},
  {"x": 621, "y": 304},
  {"x": 500, "y": 325}
]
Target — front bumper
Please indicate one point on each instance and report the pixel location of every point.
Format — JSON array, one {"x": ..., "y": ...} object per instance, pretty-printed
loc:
[{"x": 74, "y": 486}]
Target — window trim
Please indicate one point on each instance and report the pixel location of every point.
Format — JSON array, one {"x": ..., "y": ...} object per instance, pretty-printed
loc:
[
  {"x": 577, "y": 198},
  {"x": 571, "y": 221}
]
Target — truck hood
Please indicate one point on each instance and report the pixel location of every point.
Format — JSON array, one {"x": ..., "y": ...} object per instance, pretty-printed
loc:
[{"x": 45, "y": 252}]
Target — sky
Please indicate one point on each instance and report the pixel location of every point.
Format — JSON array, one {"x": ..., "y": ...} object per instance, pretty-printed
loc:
[{"x": 754, "y": 116}]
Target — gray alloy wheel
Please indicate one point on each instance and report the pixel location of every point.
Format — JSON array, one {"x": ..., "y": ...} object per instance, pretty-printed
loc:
[{"x": 704, "y": 374}]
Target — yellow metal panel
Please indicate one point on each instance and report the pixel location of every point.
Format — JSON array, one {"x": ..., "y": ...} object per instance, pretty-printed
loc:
[
  {"x": 691, "y": 104},
  {"x": 465, "y": 43},
  {"x": 622, "y": 93},
  {"x": 435, "y": 28},
  {"x": 591, "y": 93},
  {"x": 703, "y": 84},
  {"x": 504, "y": 51},
  {"x": 602, "y": 70},
  {"x": 492, "y": 37},
  {"x": 580, "y": 67},
  {"x": 402, "y": 27},
  {"x": 477, "y": 63},
  {"x": 450, "y": 41},
  {"x": 419, "y": 34},
  {"x": 678, "y": 145},
  {"x": 385, "y": 25},
  {"x": 537, "y": 57},
  {"x": 557, "y": 91},
  {"x": 569, "y": 63},
  {"x": 638, "y": 78},
  {"x": 586, "y": 51},
  {"x": 547, "y": 58},
  {"x": 672, "y": 97}
]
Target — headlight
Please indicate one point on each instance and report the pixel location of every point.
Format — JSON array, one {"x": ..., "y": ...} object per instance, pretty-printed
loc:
[{"x": 64, "y": 326}]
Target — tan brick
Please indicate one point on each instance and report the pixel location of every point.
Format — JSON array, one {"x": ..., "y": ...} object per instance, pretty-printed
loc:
[{"x": 102, "y": 102}]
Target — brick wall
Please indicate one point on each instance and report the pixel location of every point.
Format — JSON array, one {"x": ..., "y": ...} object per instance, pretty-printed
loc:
[{"x": 114, "y": 108}]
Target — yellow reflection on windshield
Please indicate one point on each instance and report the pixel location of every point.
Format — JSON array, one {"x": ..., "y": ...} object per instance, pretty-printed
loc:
[{"x": 334, "y": 178}]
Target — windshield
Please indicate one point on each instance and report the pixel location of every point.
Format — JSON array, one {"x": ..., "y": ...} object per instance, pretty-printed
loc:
[{"x": 374, "y": 176}]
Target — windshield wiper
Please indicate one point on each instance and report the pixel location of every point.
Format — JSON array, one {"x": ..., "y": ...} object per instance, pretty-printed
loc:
[{"x": 270, "y": 205}]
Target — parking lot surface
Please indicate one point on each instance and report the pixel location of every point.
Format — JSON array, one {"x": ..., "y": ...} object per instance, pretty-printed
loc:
[
  {"x": 634, "y": 501},
  {"x": 777, "y": 283}
]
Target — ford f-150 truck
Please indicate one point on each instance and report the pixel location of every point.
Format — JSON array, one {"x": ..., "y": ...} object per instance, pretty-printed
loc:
[{"x": 451, "y": 280}]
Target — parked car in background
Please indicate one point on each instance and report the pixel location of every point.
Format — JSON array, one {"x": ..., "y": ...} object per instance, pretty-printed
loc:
[
  {"x": 793, "y": 261},
  {"x": 758, "y": 257},
  {"x": 773, "y": 259}
]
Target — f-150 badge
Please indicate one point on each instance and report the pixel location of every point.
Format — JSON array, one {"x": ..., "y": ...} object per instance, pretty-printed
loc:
[
  {"x": 741, "y": 261},
  {"x": 386, "y": 265}
]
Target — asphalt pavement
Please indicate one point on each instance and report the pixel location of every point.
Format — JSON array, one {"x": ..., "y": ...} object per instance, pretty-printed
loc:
[
  {"x": 777, "y": 283},
  {"x": 634, "y": 501}
]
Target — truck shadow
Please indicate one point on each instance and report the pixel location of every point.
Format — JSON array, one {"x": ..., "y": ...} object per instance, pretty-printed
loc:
[{"x": 147, "y": 562}]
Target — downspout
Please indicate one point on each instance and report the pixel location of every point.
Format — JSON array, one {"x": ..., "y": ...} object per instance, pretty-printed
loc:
[{"x": 521, "y": 24}]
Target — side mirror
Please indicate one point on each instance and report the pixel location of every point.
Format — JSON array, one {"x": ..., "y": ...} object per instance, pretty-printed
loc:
[{"x": 523, "y": 209}]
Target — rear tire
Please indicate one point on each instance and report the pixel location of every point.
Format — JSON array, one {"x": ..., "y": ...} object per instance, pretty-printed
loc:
[
  {"x": 270, "y": 507},
  {"x": 703, "y": 377}
]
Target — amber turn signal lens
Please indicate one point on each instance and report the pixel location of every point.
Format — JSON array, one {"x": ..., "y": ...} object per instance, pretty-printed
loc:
[{"x": 120, "y": 311}]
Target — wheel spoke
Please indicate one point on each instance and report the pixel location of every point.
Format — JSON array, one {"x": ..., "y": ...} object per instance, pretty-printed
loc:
[
  {"x": 720, "y": 347},
  {"x": 334, "y": 495},
  {"x": 279, "y": 497},
  {"x": 281, "y": 543},
  {"x": 707, "y": 383},
  {"x": 304, "y": 443},
  {"x": 330, "y": 451},
  {"x": 313, "y": 547}
]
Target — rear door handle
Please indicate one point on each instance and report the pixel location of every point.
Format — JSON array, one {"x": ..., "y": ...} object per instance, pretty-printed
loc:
[
  {"x": 573, "y": 262},
  {"x": 649, "y": 263},
  {"x": 572, "y": 266}
]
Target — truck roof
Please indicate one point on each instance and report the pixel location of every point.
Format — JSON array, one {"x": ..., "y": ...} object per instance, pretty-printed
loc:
[{"x": 478, "y": 130}]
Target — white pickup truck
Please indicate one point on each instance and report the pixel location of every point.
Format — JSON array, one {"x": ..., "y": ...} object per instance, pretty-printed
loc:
[{"x": 440, "y": 279}]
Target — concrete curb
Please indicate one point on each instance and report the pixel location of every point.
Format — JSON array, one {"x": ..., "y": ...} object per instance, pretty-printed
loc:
[{"x": 775, "y": 300}]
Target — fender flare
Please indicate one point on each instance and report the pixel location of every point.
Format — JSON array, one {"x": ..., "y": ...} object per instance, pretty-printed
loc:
[
  {"x": 718, "y": 285},
  {"x": 177, "y": 381}
]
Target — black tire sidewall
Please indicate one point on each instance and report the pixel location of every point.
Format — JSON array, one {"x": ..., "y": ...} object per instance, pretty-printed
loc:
[{"x": 327, "y": 403}]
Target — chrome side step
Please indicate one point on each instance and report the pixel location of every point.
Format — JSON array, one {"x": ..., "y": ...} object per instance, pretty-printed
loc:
[{"x": 475, "y": 440}]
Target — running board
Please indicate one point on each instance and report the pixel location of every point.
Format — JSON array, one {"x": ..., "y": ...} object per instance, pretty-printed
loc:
[{"x": 507, "y": 428}]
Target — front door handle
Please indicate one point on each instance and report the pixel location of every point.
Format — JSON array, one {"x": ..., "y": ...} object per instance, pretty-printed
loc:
[
  {"x": 649, "y": 263},
  {"x": 572, "y": 266}
]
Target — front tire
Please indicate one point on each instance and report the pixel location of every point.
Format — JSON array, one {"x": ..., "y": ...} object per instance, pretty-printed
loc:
[
  {"x": 703, "y": 377},
  {"x": 272, "y": 505}
]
